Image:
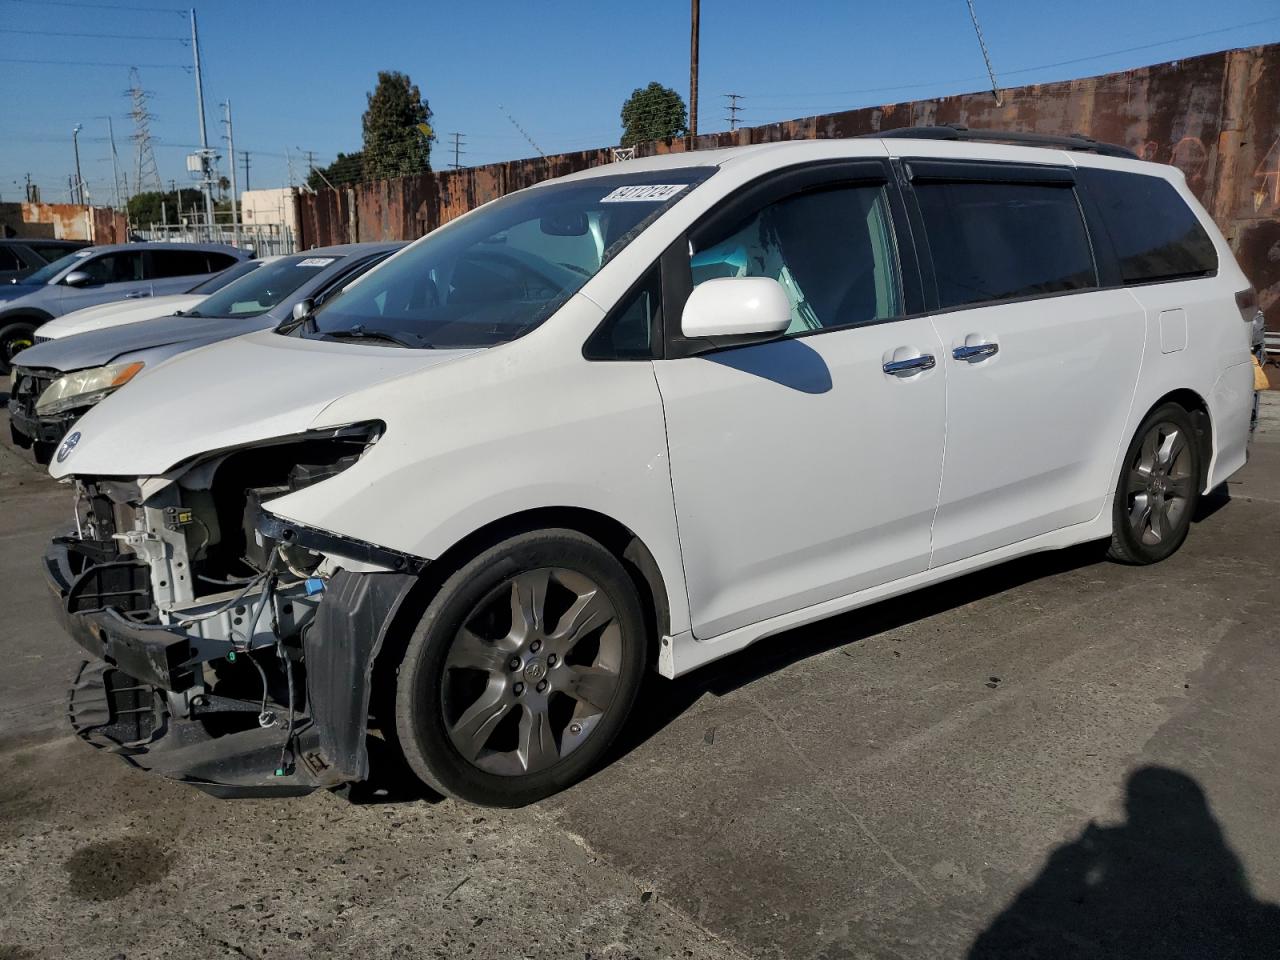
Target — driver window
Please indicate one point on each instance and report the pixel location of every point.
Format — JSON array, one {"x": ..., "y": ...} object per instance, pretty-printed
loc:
[
  {"x": 832, "y": 250},
  {"x": 114, "y": 268}
]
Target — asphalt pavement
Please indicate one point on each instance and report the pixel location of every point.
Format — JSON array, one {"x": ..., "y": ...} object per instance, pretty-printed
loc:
[{"x": 1060, "y": 757}]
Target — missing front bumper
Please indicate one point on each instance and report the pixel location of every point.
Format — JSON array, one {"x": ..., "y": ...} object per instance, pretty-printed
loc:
[{"x": 143, "y": 696}]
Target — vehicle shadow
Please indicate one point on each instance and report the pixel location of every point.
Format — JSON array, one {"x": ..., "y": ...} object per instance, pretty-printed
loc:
[{"x": 1163, "y": 885}]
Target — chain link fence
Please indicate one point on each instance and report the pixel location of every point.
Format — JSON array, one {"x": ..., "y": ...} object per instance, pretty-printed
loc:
[{"x": 263, "y": 239}]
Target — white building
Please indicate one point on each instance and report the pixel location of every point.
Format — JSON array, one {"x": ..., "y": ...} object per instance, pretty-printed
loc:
[{"x": 269, "y": 207}]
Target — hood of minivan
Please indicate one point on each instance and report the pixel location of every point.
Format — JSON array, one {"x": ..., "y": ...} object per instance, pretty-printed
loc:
[
  {"x": 237, "y": 392},
  {"x": 117, "y": 313}
]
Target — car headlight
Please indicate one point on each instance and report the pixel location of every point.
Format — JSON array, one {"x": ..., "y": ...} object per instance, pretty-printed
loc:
[{"x": 84, "y": 388}]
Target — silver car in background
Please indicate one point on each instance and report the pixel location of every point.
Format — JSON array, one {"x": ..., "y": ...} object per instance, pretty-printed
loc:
[{"x": 100, "y": 275}]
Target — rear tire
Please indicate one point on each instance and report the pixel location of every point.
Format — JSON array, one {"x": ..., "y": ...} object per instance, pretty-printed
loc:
[
  {"x": 1158, "y": 489},
  {"x": 522, "y": 671}
]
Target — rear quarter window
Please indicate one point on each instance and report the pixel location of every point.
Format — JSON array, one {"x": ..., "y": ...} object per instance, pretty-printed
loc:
[{"x": 1154, "y": 233}]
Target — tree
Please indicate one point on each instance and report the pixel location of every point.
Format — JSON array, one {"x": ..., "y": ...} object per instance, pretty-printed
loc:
[
  {"x": 146, "y": 207},
  {"x": 348, "y": 168},
  {"x": 397, "y": 128},
  {"x": 654, "y": 112}
]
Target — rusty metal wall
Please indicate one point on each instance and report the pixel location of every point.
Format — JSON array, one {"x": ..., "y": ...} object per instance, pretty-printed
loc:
[
  {"x": 1216, "y": 117},
  {"x": 63, "y": 221}
]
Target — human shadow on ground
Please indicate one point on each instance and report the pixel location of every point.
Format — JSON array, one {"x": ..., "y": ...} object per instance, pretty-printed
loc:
[{"x": 1163, "y": 885}]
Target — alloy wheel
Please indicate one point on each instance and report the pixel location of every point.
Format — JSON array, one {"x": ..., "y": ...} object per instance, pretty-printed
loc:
[
  {"x": 1159, "y": 485},
  {"x": 532, "y": 671}
]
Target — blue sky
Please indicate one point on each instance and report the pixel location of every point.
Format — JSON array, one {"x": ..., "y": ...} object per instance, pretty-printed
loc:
[{"x": 297, "y": 72}]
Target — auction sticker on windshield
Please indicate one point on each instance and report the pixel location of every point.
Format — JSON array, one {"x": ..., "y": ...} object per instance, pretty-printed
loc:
[
  {"x": 316, "y": 262},
  {"x": 647, "y": 193}
]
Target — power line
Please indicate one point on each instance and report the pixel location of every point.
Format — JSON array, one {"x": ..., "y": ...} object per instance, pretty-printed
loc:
[
  {"x": 95, "y": 63},
  {"x": 95, "y": 6},
  {"x": 94, "y": 36},
  {"x": 986, "y": 54},
  {"x": 1017, "y": 70},
  {"x": 522, "y": 131}
]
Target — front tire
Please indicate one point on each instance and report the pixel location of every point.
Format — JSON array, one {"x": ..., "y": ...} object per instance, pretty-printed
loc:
[
  {"x": 522, "y": 671},
  {"x": 1159, "y": 488}
]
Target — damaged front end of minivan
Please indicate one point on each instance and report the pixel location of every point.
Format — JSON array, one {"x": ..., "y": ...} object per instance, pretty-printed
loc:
[{"x": 232, "y": 649}]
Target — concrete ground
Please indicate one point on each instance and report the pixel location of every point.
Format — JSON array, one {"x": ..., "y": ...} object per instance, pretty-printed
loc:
[{"x": 1057, "y": 758}]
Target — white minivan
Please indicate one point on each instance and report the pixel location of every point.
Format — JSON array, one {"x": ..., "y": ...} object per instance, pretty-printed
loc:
[{"x": 640, "y": 416}]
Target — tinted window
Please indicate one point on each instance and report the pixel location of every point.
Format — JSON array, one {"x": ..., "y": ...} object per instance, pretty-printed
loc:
[
  {"x": 10, "y": 260},
  {"x": 52, "y": 251},
  {"x": 998, "y": 241},
  {"x": 627, "y": 333},
  {"x": 832, "y": 250},
  {"x": 1153, "y": 231},
  {"x": 119, "y": 267},
  {"x": 260, "y": 290},
  {"x": 220, "y": 261},
  {"x": 221, "y": 279},
  {"x": 46, "y": 273},
  {"x": 178, "y": 263}
]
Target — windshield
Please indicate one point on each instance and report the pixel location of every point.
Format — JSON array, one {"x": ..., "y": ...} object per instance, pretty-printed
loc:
[
  {"x": 496, "y": 274},
  {"x": 219, "y": 280},
  {"x": 264, "y": 288},
  {"x": 51, "y": 270}
]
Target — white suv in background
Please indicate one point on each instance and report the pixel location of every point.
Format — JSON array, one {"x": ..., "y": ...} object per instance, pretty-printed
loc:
[{"x": 646, "y": 414}]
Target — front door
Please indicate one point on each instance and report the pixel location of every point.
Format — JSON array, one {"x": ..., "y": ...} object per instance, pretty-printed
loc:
[
  {"x": 113, "y": 276},
  {"x": 806, "y": 468}
]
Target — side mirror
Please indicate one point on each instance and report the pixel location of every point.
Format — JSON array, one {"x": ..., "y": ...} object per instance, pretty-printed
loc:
[
  {"x": 750, "y": 308},
  {"x": 78, "y": 278},
  {"x": 302, "y": 309}
]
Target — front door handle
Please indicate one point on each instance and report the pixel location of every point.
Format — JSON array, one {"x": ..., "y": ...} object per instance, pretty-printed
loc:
[
  {"x": 973, "y": 352},
  {"x": 137, "y": 295},
  {"x": 910, "y": 366}
]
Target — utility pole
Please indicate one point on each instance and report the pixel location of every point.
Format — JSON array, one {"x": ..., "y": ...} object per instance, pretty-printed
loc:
[
  {"x": 78, "y": 195},
  {"x": 693, "y": 74},
  {"x": 231, "y": 150},
  {"x": 245, "y": 155},
  {"x": 115, "y": 161},
  {"x": 457, "y": 149},
  {"x": 734, "y": 109},
  {"x": 206, "y": 159}
]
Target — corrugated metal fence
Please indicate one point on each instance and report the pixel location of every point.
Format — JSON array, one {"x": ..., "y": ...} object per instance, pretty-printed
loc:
[{"x": 1216, "y": 117}]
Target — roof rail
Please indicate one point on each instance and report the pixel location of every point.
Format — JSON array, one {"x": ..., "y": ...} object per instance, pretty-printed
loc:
[{"x": 1073, "y": 141}]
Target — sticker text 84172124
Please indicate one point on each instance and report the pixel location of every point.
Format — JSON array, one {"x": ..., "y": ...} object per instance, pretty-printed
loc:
[{"x": 643, "y": 193}]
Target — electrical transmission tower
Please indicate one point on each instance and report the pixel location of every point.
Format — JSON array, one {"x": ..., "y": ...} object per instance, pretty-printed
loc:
[
  {"x": 145, "y": 169},
  {"x": 734, "y": 110}
]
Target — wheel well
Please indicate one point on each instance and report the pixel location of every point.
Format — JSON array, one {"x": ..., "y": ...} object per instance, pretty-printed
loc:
[
  {"x": 612, "y": 535},
  {"x": 1194, "y": 404},
  {"x": 33, "y": 316}
]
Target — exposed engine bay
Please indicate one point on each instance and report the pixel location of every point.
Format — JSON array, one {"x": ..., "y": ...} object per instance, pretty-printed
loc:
[{"x": 204, "y": 609}]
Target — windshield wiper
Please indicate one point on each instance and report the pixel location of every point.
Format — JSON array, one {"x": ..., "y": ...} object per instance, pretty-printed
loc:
[{"x": 359, "y": 333}]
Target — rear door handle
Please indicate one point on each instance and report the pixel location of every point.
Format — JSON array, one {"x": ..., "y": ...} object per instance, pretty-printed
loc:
[
  {"x": 912, "y": 365},
  {"x": 973, "y": 352}
]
